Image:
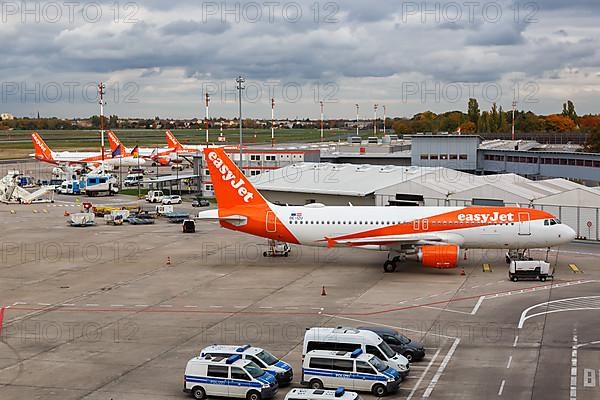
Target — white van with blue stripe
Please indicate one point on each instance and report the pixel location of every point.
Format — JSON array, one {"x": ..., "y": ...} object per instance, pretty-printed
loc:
[
  {"x": 352, "y": 370},
  {"x": 228, "y": 377},
  {"x": 261, "y": 357}
]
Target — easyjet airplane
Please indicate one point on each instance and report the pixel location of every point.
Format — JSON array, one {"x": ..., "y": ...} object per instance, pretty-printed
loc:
[
  {"x": 44, "y": 153},
  {"x": 436, "y": 235},
  {"x": 161, "y": 155}
]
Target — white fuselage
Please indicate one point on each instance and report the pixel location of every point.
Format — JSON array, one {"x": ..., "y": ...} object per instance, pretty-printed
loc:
[{"x": 310, "y": 225}]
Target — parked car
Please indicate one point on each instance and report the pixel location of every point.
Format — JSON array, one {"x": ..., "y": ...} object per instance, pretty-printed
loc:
[
  {"x": 413, "y": 351},
  {"x": 177, "y": 167},
  {"x": 155, "y": 196},
  {"x": 137, "y": 170},
  {"x": 200, "y": 203},
  {"x": 173, "y": 199}
]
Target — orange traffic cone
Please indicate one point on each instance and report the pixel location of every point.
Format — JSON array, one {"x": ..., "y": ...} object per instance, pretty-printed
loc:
[
  {"x": 66, "y": 213},
  {"x": 462, "y": 271},
  {"x": 323, "y": 291}
]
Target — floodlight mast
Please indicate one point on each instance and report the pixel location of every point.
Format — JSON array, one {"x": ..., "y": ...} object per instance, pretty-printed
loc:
[{"x": 240, "y": 86}]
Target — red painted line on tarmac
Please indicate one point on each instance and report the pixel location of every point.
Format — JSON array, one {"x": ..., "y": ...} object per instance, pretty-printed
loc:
[
  {"x": 60, "y": 308},
  {"x": 152, "y": 310},
  {"x": 1, "y": 319}
]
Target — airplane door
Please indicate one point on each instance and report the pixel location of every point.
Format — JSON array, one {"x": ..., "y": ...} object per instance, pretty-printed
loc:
[
  {"x": 271, "y": 222},
  {"x": 524, "y": 223}
]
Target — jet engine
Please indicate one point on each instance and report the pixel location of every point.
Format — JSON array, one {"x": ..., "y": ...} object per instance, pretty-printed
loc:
[{"x": 439, "y": 256}]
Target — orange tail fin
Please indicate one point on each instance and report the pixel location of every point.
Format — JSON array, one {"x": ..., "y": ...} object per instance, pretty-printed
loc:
[
  {"x": 231, "y": 186},
  {"x": 114, "y": 141},
  {"x": 237, "y": 197},
  {"x": 172, "y": 141},
  {"x": 42, "y": 151}
]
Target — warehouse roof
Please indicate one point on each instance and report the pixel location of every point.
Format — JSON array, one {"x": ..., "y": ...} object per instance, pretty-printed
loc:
[
  {"x": 338, "y": 179},
  {"x": 431, "y": 182}
]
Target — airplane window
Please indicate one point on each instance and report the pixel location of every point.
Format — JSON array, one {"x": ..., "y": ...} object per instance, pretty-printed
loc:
[
  {"x": 552, "y": 222},
  {"x": 546, "y": 222}
]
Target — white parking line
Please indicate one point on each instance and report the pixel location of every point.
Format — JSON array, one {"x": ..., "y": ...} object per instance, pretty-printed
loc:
[
  {"x": 190, "y": 306},
  {"x": 516, "y": 340},
  {"x": 446, "y": 309},
  {"x": 91, "y": 305},
  {"x": 423, "y": 374},
  {"x": 441, "y": 369},
  {"x": 509, "y": 362},
  {"x": 477, "y": 305},
  {"x": 573, "y": 388},
  {"x": 501, "y": 387},
  {"x": 141, "y": 305}
]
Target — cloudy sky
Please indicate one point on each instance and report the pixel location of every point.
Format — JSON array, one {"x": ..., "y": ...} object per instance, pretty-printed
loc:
[{"x": 159, "y": 57}]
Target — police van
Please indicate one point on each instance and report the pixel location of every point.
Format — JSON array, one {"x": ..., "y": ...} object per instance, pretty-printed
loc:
[
  {"x": 228, "y": 377},
  {"x": 349, "y": 339},
  {"x": 321, "y": 394},
  {"x": 355, "y": 370},
  {"x": 267, "y": 361}
]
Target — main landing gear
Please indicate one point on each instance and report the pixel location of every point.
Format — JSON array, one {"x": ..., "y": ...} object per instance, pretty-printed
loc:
[{"x": 392, "y": 263}]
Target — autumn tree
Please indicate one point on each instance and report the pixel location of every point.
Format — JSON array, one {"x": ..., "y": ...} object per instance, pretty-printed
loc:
[
  {"x": 592, "y": 144},
  {"x": 559, "y": 123},
  {"x": 468, "y": 127},
  {"x": 569, "y": 111},
  {"x": 473, "y": 111},
  {"x": 493, "y": 121}
]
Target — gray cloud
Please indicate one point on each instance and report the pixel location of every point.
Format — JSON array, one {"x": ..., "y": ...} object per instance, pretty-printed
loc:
[{"x": 363, "y": 41}]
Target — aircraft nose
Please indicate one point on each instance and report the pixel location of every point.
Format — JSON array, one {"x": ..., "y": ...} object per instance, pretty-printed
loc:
[{"x": 568, "y": 233}]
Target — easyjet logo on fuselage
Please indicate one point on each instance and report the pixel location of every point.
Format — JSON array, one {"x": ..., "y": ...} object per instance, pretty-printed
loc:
[
  {"x": 229, "y": 176},
  {"x": 486, "y": 217}
]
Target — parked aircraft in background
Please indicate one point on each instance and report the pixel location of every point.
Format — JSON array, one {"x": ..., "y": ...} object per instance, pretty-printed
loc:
[
  {"x": 435, "y": 235},
  {"x": 44, "y": 153},
  {"x": 160, "y": 155}
]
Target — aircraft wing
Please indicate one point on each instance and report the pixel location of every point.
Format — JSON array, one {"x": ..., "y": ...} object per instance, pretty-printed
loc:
[
  {"x": 213, "y": 216},
  {"x": 388, "y": 240}
]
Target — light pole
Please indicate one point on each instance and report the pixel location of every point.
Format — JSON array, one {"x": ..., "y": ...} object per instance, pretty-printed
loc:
[
  {"x": 321, "y": 120},
  {"x": 206, "y": 118},
  {"x": 272, "y": 122},
  {"x": 384, "y": 120},
  {"x": 514, "y": 105},
  {"x": 240, "y": 86},
  {"x": 101, "y": 88},
  {"x": 357, "y": 108},
  {"x": 375, "y": 120}
]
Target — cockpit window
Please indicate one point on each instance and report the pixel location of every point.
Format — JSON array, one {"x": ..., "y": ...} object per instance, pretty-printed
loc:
[
  {"x": 546, "y": 222},
  {"x": 553, "y": 222}
]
